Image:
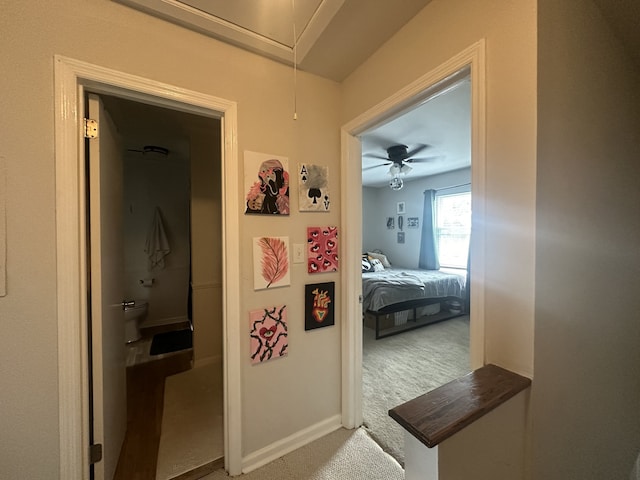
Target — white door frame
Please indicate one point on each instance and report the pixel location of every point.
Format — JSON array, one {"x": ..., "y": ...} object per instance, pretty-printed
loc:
[
  {"x": 72, "y": 78},
  {"x": 473, "y": 58}
]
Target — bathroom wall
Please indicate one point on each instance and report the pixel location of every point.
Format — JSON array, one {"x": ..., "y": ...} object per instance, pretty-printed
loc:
[
  {"x": 164, "y": 184},
  {"x": 206, "y": 243}
]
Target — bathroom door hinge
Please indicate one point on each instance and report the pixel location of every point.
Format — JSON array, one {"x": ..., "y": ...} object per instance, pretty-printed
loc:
[
  {"x": 95, "y": 453},
  {"x": 90, "y": 128},
  {"x": 360, "y": 299}
]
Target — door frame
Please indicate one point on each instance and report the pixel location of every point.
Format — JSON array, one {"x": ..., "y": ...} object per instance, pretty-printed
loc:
[
  {"x": 473, "y": 58},
  {"x": 72, "y": 78}
]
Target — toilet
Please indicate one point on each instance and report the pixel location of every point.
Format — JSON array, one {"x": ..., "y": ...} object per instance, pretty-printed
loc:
[{"x": 133, "y": 316}]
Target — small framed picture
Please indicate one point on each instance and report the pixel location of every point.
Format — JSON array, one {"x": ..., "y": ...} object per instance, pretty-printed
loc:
[
  {"x": 400, "y": 237},
  {"x": 390, "y": 223},
  {"x": 400, "y": 206},
  {"x": 413, "y": 222}
]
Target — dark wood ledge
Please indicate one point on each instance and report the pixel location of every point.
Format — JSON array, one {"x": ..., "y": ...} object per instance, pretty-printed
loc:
[{"x": 437, "y": 415}]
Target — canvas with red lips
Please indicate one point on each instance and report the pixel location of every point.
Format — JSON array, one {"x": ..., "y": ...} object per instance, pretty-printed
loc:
[
  {"x": 269, "y": 333},
  {"x": 322, "y": 249}
]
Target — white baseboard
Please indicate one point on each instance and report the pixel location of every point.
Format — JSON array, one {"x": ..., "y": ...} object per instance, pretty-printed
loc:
[{"x": 299, "y": 439}]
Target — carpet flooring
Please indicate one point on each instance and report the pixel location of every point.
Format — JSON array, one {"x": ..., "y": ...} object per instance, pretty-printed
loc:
[
  {"x": 399, "y": 368},
  {"x": 343, "y": 454}
]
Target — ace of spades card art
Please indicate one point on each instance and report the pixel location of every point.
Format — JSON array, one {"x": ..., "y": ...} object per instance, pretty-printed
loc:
[{"x": 313, "y": 188}]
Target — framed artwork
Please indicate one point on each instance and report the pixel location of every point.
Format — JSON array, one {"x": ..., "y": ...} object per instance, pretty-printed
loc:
[
  {"x": 313, "y": 188},
  {"x": 322, "y": 249},
  {"x": 400, "y": 237},
  {"x": 266, "y": 183},
  {"x": 400, "y": 222},
  {"x": 390, "y": 223},
  {"x": 271, "y": 262},
  {"x": 269, "y": 337},
  {"x": 413, "y": 222},
  {"x": 400, "y": 208},
  {"x": 319, "y": 305}
]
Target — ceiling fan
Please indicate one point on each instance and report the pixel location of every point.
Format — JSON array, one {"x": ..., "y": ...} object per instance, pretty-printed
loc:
[
  {"x": 398, "y": 157},
  {"x": 152, "y": 151}
]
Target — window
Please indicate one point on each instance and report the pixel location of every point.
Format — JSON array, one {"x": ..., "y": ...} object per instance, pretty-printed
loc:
[{"x": 453, "y": 229}]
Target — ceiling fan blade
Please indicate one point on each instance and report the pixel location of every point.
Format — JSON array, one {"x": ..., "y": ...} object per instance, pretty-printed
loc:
[
  {"x": 417, "y": 150},
  {"x": 422, "y": 159},
  {"x": 375, "y": 155},
  {"x": 375, "y": 166}
]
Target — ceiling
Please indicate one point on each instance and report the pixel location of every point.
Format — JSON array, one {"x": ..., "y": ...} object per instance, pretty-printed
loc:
[
  {"x": 442, "y": 122},
  {"x": 331, "y": 38}
]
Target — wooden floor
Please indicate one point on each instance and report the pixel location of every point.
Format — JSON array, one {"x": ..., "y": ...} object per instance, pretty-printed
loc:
[{"x": 145, "y": 395}]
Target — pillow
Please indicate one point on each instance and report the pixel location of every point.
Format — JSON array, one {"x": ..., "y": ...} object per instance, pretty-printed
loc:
[
  {"x": 366, "y": 265},
  {"x": 377, "y": 265},
  {"x": 379, "y": 256}
]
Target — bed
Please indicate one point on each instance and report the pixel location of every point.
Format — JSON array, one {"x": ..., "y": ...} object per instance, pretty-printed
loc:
[{"x": 396, "y": 300}]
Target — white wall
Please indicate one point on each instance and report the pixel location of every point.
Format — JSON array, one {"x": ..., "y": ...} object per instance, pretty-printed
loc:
[
  {"x": 375, "y": 233},
  {"x": 109, "y": 34},
  {"x": 586, "y": 389}
]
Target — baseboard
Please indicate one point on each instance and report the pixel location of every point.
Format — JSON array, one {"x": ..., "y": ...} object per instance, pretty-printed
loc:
[{"x": 299, "y": 439}]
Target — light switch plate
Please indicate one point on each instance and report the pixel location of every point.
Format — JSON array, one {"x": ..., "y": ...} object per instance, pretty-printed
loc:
[{"x": 298, "y": 253}]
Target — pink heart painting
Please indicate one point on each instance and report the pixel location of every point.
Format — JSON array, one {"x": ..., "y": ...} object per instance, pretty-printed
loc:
[{"x": 269, "y": 333}]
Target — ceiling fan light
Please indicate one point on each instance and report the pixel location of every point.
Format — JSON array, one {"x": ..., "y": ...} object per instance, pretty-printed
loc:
[
  {"x": 394, "y": 170},
  {"x": 405, "y": 169},
  {"x": 396, "y": 183}
]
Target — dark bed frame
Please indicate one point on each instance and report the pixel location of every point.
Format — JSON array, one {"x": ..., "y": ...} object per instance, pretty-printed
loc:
[{"x": 415, "y": 322}]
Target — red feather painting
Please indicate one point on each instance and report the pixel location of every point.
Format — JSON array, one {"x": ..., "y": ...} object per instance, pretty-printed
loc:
[{"x": 270, "y": 262}]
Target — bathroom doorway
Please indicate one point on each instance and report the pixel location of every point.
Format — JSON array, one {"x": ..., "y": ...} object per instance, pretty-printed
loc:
[{"x": 172, "y": 219}]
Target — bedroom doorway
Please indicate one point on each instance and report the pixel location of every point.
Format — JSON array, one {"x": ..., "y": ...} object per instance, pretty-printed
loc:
[
  {"x": 416, "y": 186},
  {"x": 354, "y": 133}
]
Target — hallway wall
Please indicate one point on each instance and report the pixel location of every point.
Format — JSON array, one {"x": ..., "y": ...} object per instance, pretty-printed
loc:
[
  {"x": 586, "y": 390},
  {"x": 109, "y": 34}
]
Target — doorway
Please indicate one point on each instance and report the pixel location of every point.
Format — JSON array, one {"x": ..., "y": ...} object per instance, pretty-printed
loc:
[
  {"x": 171, "y": 224},
  {"x": 422, "y": 155},
  {"x": 72, "y": 79},
  {"x": 416, "y": 92}
]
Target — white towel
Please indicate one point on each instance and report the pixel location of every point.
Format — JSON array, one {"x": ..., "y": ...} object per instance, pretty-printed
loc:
[{"x": 157, "y": 245}]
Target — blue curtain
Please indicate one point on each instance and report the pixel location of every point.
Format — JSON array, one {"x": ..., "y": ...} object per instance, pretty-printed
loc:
[{"x": 428, "y": 248}]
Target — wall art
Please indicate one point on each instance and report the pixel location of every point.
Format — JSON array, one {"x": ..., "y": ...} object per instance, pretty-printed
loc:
[
  {"x": 313, "y": 188},
  {"x": 413, "y": 222},
  {"x": 266, "y": 182},
  {"x": 390, "y": 223},
  {"x": 322, "y": 249},
  {"x": 269, "y": 333},
  {"x": 319, "y": 305},
  {"x": 400, "y": 208},
  {"x": 400, "y": 237},
  {"x": 270, "y": 262}
]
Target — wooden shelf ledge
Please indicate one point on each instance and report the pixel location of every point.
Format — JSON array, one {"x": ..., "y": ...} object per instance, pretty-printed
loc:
[{"x": 437, "y": 415}]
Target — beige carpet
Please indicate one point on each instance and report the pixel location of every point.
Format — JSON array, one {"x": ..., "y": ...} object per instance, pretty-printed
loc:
[
  {"x": 192, "y": 431},
  {"x": 341, "y": 455},
  {"x": 399, "y": 368}
]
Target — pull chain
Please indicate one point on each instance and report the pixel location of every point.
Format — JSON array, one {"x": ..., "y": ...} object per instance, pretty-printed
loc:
[{"x": 295, "y": 61}]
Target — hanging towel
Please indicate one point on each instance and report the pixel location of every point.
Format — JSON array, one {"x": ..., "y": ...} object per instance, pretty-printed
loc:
[{"x": 157, "y": 245}]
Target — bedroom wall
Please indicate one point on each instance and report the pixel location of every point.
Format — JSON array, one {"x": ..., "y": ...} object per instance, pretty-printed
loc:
[
  {"x": 383, "y": 203},
  {"x": 440, "y": 31},
  {"x": 586, "y": 390},
  {"x": 127, "y": 40}
]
